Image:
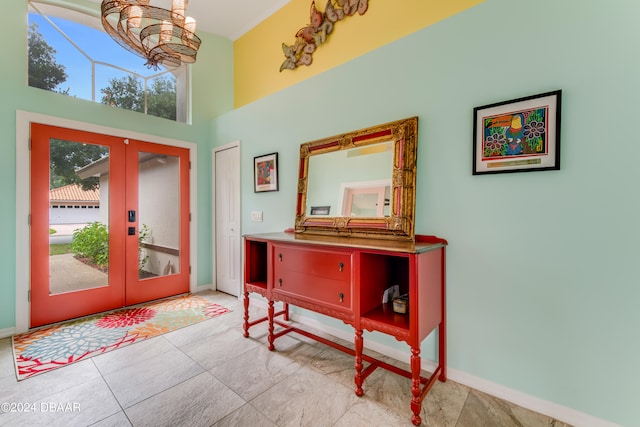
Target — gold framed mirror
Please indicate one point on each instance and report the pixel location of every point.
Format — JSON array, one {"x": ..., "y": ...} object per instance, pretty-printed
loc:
[{"x": 360, "y": 183}]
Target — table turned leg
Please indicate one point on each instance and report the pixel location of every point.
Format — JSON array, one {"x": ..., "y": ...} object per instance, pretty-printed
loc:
[
  {"x": 359, "y": 343},
  {"x": 245, "y": 326},
  {"x": 416, "y": 401},
  {"x": 270, "y": 315},
  {"x": 442, "y": 350}
]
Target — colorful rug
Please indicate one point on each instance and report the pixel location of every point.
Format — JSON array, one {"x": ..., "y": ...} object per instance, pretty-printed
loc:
[{"x": 55, "y": 346}]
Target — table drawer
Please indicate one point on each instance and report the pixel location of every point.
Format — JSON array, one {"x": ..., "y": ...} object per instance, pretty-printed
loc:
[
  {"x": 317, "y": 290},
  {"x": 334, "y": 265},
  {"x": 316, "y": 276}
]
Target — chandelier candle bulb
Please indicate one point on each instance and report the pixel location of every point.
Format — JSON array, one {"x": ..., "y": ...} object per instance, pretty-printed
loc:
[
  {"x": 178, "y": 9},
  {"x": 135, "y": 17},
  {"x": 166, "y": 31},
  {"x": 190, "y": 26},
  {"x": 177, "y": 5}
]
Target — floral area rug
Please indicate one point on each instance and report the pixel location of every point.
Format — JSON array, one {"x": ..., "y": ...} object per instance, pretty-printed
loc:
[{"x": 58, "y": 345}]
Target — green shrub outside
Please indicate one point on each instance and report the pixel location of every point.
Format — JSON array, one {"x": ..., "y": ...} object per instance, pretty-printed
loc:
[{"x": 92, "y": 242}]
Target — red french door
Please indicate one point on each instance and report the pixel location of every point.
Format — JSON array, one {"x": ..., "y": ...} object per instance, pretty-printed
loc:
[
  {"x": 126, "y": 203},
  {"x": 158, "y": 236}
]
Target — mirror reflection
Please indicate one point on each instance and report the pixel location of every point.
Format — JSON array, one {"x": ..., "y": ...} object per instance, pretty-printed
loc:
[{"x": 353, "y": 182}]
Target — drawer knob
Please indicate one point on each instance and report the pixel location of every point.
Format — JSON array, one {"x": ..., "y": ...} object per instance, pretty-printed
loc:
[
  {"x": 341, "y": 295},
  {"x": 280, "y": 257},
  {"x": 279, "y": 282},
  {"x": 341, "y": 265}
]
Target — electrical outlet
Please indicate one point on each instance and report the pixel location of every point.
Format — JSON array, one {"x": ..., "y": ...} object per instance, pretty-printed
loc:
[{"x": 256, "y": 216}]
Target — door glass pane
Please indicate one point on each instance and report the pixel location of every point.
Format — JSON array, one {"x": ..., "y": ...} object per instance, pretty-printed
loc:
[
  {"x": 159, "y": 215},
  {"x": 78, "y": 216}
]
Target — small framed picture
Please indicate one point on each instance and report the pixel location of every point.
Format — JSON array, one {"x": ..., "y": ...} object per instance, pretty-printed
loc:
[
  {"x": 320, "y": 210},
  {"x": 518, "y": 135},
  {"x": 265, "y": 173}
]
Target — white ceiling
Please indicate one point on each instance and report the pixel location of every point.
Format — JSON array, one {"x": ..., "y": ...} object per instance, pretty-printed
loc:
[{"x": 226, "y": 18}]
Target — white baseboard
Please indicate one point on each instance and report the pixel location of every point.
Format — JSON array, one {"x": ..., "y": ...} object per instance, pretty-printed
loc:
[
  {"x": 558, "y": 412},
  {"x": 201, "y": 288},
  {"x": 7, "y": 332}
]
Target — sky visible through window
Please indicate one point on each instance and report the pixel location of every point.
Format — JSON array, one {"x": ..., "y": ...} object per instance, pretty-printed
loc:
[{"x": 98, "y": 45}]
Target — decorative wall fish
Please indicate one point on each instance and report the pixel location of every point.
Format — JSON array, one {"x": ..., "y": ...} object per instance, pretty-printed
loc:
[{"x": 309, "y": 37}]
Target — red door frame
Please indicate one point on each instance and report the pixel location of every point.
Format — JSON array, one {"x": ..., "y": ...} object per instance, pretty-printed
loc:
[{"x": 124, "y": 286}]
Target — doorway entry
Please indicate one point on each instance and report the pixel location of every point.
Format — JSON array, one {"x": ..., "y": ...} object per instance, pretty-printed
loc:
[{"x": 135, "y": 249}]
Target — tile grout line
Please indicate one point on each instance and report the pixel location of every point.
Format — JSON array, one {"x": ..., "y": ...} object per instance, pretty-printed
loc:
[{"x": 106, "y": 383}]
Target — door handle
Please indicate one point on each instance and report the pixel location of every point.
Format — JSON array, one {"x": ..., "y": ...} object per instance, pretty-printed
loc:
[{"x": 132, "y": 216}]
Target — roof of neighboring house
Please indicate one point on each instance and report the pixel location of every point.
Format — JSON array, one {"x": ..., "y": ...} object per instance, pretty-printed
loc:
[
  {"x": 98, "y": 168},
  {"x": 73, "y": 193},
  {"x": 101, "y": 166}
]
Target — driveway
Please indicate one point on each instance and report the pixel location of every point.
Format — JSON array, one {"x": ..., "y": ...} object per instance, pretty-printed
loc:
[
  {"x": 67, "y": 274},
  {"x": 64, "y": 233}
]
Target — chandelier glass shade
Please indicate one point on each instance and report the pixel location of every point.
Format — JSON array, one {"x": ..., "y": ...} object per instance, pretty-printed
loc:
[{"x": 159, "y": 35}]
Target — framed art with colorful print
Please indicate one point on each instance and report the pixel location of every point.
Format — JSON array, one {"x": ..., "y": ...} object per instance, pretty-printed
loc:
[
  {"x": 265, "y": 173},
  {"x": 520, "y": 135}
]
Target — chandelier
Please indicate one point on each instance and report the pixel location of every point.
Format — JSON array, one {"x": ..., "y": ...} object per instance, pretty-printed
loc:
[{"x": 158, "y": 35}]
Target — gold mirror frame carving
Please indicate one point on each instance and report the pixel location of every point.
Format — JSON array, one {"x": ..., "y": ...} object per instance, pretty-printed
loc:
[{"x": 400, "y": 224}]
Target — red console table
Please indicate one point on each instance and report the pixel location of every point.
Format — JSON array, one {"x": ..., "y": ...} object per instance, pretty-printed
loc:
[{"x": 345, "y": 278}]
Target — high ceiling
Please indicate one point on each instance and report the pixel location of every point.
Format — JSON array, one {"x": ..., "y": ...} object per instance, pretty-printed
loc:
[{"x": 226, "y": 18}]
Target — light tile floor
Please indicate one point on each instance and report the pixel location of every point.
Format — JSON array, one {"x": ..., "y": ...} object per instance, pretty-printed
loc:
[{"x": 208, "y": 374}]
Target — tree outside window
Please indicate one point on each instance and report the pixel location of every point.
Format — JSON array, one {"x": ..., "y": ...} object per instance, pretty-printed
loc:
[{"x": 154, "y": 95}]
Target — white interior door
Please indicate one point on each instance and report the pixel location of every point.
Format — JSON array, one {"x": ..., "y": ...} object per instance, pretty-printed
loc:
[{"x": 227, "y": 218}]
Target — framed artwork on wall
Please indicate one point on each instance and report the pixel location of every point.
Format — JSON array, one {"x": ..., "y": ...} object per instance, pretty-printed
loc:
[
  {"x": 520, "y": 135},
  {"x": 265, "y": 173}
]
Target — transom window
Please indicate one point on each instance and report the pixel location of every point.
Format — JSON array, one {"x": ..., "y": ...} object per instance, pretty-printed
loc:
[{"x": 70, "y": 53}]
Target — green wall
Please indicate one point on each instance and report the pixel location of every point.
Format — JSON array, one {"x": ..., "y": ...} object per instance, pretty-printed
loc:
[
  {"x": 212, "y": 77},
  {"x": 542, "y": 266}
]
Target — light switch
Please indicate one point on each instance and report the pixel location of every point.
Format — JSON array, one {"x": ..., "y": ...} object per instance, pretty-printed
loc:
[{"x": 256, "y": 216}]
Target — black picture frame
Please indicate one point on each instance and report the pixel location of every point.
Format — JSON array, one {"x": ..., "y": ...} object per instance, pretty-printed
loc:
[
  {"x": 265, "y": 173},
  {"x": 519, "y": 135}
]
